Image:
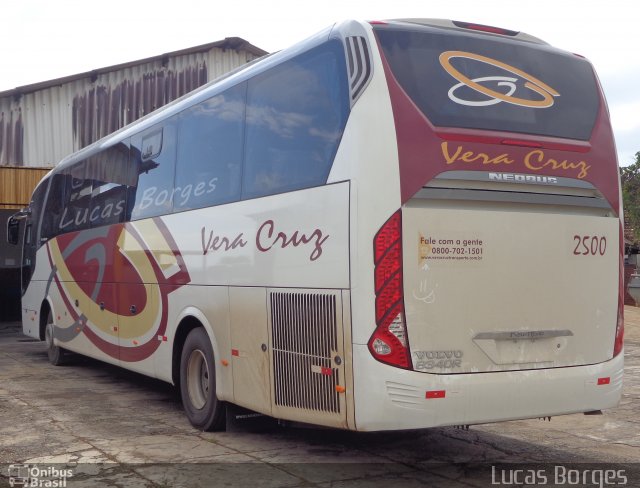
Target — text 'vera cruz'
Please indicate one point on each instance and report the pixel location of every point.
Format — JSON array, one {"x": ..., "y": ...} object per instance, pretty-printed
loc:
[
  {"x": 267, "y": 237},
  {"x": 535, "y": 160}
]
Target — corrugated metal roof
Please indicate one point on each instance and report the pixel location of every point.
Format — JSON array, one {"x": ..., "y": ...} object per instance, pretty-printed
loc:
[
  {"x": 229, "y": 43},
  {"x": 43, "y": 122}
]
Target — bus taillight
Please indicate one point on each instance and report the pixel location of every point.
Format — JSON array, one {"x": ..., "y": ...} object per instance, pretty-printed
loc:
[
  {"x": 485, "y": 28},
  {"x": 617, "y": 345},
  {"x": 619, "y": 339},
  {"x": 389, "y": 343}
]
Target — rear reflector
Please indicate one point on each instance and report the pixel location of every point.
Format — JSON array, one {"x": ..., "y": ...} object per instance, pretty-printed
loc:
[
  {"x": 435, "y": 394},
  {"x": 604, "y": 381}
]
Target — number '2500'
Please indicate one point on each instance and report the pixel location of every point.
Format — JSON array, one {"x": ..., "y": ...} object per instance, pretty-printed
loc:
[{"x": 589, "y": 245}]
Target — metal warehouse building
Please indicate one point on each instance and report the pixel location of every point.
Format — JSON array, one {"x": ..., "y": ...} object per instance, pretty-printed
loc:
[{"x": 44, "y": 122}]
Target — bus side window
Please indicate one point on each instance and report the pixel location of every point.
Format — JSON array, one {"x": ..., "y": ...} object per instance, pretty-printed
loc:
[
  {"x": 209, "y": 161},
  {"x": 111, "y": 177},
  {"x": 77, "y": 201},
  {"x": 152, "y": 158},
  {"x": 296, "y": 113},
  {"x": 51, "y": 224}
]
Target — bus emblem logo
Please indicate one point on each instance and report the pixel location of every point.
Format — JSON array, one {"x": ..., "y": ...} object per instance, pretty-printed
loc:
[{"x": 508, "y": 83}]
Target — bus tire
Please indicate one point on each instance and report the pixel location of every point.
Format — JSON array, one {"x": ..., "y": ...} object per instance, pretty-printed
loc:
[
  {"x": 198, "y": 383},
  {"x": 57, "y": 355}
]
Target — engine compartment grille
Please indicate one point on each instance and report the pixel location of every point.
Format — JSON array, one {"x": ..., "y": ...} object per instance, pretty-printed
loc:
[{"x": 305, "y": 342}]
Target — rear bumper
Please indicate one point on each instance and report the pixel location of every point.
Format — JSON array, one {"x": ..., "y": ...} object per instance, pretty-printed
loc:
[{"x": 388, "y": 398}]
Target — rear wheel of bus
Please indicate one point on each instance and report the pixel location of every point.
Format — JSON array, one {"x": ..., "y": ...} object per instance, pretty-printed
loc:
[{"x": 198, "y": 383}]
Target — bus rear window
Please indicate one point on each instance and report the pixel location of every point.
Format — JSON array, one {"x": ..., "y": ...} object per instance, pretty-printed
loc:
[{"x": 475, "y": 81}]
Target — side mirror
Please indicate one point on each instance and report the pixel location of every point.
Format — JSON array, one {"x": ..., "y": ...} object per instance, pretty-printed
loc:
[
  {"x": 13, "y": 231},
  {"x": 13, "y": 226}
]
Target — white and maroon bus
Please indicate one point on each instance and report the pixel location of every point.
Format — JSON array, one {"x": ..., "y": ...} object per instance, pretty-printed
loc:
[{"x": 391, "y": 225}]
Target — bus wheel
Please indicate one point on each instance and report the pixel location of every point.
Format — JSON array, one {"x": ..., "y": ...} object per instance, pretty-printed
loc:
[
  {"x": 56, "y": 353},
  {"x": 198, "y": 383}
]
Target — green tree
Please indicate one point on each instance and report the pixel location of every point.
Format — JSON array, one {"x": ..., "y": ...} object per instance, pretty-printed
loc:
[{"x": 630, "y": 180}]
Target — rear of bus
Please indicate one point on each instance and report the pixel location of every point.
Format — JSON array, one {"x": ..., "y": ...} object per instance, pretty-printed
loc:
[{"x": 497, "y": 281}]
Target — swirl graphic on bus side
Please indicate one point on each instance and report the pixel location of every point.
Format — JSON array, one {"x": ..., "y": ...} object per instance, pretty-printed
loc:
[
  {"x": 510, "y": 83},
  {"x": 115, "y": 283}
]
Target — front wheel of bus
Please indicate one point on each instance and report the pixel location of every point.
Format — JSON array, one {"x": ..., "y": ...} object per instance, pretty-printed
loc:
[
  {"x": 56, "y": 353},
  {"x": 198, "y": 383}
]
